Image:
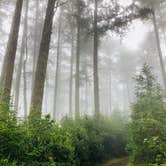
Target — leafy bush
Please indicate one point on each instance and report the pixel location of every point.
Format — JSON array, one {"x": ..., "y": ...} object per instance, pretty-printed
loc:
[
  {"x": 42, "y": 142},
  {"x": 34, "y": 142},
  {"x": 148, "y": 127},
  {"x": 96, "y": 140}
]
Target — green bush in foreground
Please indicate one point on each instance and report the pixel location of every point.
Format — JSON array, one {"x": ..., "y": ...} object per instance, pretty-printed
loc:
[
  {"x": 41, "y": 142},
  {"x": 34, "y": 142},
  {"x": 96, "y": 140},
  {"x": 148, "y": 128}
]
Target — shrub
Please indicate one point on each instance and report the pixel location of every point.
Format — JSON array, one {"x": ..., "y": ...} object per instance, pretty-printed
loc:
[
  {"x": 34, "y": 142},
  {"x": 95, "y": 140},
  {"x": 148, "y": 127}
]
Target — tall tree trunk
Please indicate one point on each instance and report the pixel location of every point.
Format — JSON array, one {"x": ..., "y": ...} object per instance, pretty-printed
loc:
[
  {"x": 159, "y": 47},
  {"x": 86, "y": 97},
  {"x": 95, "y": 62},
  {"x": 77, "y": 79},
  {"x": 40, "y": 74},
  {"x": 8, "y": 65},
  {"x": 36, "y": 41},
  {"x": 25, "y": 81},
  {"x": 162, "y": 26},
  {"x": 46, "y": 95},
  {"x": 57, "y": 70},
  {"x": 128, "y": 92},
  {"x": 71, "y": 76},
  {"x": 20, "y": 63},
  {"x": 110, "y": 92}
]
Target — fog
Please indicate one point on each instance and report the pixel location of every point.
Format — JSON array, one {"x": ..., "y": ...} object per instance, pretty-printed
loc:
[
  {"x": 82, "y": 82},
  {"x": 120, "y": 57}
]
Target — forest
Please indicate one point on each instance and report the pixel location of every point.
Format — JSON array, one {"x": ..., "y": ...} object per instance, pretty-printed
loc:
[{"x": 82, "y": 83}]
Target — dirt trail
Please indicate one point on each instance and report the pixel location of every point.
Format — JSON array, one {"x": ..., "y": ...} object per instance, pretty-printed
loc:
[{"x": 120, "y": 163}]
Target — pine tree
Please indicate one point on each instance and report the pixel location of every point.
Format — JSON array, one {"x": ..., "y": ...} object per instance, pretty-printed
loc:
[
  {"x": 9, "y": 60},
  {"x": 40, "y": 74}
]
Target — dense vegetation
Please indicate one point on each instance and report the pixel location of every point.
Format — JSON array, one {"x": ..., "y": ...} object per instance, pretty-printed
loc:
[
  {"x": 90, "y": 140},
  {"x": 148, "y": 127},
  {"x": 67, "y": 88},
  {"x": 80, "y": 142}
]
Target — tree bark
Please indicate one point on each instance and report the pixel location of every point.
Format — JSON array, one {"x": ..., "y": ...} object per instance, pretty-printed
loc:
[
  {"x": 162, "y": 26},
  {"x": 95, "y": 62},
  {"x": 77, "y": 79},
  {"x": 71, "y": 76},
  {"x": 36, "y": 41},
  {"x": 40, "y": 74},
  {"x": 46, "y": 95},
  {"x": 163, "y": 72},
  {"x": 8, "y": 65},
  {"x": 20, "y": 63},
  {"x": 110, "y": 92},
  {"x": 25, "y": 81},
  {"x": 57, "y": 70}
]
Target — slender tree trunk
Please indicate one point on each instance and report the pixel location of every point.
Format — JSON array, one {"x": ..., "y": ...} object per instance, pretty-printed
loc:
[
  {"x": 46, "y": 95},
  {"x": 25, "y": 81},
  {"x": 86, "y": 97},
  {"x": 71, "y": 76},
  {"x": 20, "y": 63},
  {"x": 36, "y": 41},
  {"x": 40, "y": 74},
  {"x": 77, "y": 79},
  {"x": 128, "y": 92},
  {"x": 110, "y": 92},
  {"x": 162, "y": 26},
  {"x": 159, "y": 48},
  {"x": 95, "y": 62},
  {"x": 57, "y": 70},
  {"x": 8, "y": 65}
]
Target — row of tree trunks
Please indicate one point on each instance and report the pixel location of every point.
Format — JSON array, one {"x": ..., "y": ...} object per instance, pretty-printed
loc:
[{"x": 39, "y": 70}]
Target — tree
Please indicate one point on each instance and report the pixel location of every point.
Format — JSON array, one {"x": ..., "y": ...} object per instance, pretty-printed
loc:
[
  {"x": 159, "y": 47},
  {"x": 57, "y": 67},
  {"x": 25, "y": 80},
  {"x": 71, "y": 74},
  {"x": 95, "y": 61},
  {"x": 37, "y": 94},
  {"x": 72, "y": 28},
  {"x": 77, "y": 79},
  {"x": 154, "y": 5},
  {"x": 20, "y": 63},
  {"x": 37, "y": 37},
  {"x": 8, "y": 64},
  {"x": 148, "y": 120}
]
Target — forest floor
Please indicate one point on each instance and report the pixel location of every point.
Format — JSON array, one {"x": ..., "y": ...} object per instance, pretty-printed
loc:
[
  {"x": 117, "y": 162},
  {"x": 120, "y": 163}
]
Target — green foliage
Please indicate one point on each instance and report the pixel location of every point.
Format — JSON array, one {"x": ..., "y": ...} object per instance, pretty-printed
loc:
[
  {"x": 96, "y": 140},
  {"x": 42, "y": 142},
  {"x": 148, "y": 127},
  {"x": 36, "y": 142}
]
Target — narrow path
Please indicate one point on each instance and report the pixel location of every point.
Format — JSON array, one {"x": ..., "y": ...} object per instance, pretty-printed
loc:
[{"x": 120, "y": 163}]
